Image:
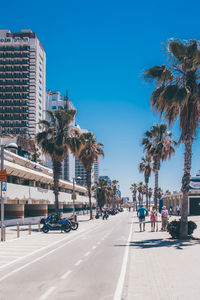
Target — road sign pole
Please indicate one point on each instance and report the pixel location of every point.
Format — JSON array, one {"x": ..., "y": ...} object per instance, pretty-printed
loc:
[
  {"x": 2, "y": 198},
  {"x": 73, "y": 193}
]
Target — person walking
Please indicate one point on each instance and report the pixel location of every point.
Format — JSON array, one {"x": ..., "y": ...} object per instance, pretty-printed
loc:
[
  {"x": 153, "y": 218},
  {"x": 165, "y": 218},
  {"x": 170, "y": 210},
  {"x": 141, "y": 213},
  {"x": 178, "y": 209}
]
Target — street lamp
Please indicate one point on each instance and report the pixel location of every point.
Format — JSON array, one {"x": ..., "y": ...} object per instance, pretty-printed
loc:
[
  {"x": 12, "y": 146},
  {"x": 74, "y": 195}
]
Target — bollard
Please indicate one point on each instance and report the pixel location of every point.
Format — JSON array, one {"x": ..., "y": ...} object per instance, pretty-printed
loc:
[
  {"x": 18, "y": 230},
  {"x": 4, "y": 233},
  {"x": 29, "y": 228},
  {"x": 39, "y": 227}
]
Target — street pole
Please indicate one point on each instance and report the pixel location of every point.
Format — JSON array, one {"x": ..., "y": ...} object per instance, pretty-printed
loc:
[
  {"x": 96, "y": 199},
  {"x": 2, "y": 198},
  {"x": 74, "y": 199}
]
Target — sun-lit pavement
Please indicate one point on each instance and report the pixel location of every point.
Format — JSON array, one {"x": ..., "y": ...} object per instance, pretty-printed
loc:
[{"x": 161, "y": 268}]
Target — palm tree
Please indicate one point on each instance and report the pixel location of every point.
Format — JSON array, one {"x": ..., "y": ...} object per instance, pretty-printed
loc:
[
  {"x": 140, "y": 190},
  {"x": 53, "y": 142},
  {"x": 90, "y": 152},
  {"x": 101, "y": 188},
  {"x": 177, "y": 95},
  {"x": 114, "y": 184},
  {"x": 158, "y": 144},
  {"x": 167, "y": 192},
  {"x": 145, "y": 167},
  {"x": 133, "y": 188},
  {"x": 150, "y": 192}
]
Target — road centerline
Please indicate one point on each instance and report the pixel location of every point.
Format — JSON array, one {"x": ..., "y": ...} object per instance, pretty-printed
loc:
[
  {"x": 64, "y": 276},
  {"x": 120, "y": 284},
  {"x": 78, "y": 262},
  {"x": 47, "y": 293}
]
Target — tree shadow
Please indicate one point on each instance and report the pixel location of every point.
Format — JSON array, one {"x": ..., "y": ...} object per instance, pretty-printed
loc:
[{"x": 158, "y": 243}]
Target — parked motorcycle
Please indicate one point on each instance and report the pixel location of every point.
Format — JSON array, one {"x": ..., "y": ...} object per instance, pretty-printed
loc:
[
  {"x": 74, "y": 225},
  {"x": 52, "y": 222}
]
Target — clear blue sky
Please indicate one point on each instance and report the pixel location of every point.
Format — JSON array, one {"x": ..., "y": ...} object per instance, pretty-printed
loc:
[{"x": 98, "y": 51}]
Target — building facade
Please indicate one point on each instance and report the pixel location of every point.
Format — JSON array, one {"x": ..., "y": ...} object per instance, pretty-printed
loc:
[
  {"x": 22, "y": 82},
  {"x": 30, "y": 192},
  {"x": 193, "y": 198},
  {"x": 54, "y": 100}
]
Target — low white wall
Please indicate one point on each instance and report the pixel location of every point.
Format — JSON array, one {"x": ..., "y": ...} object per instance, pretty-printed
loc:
[{"x": 29, "y": 193}]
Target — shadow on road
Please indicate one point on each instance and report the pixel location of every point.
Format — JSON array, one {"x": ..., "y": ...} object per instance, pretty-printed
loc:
[{"x": 155, "y": 243}]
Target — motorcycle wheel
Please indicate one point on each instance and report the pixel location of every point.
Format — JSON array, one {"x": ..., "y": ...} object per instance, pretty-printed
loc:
[
  {"x": 67, "y": 228},
  {"x": 45, "y": 229},
  {"x": 74, "y": 225}
]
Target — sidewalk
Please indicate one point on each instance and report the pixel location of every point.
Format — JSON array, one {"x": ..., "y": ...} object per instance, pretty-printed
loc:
[
  {"x": 161, "y": 268},
  {"x": 11, "y": 231}
]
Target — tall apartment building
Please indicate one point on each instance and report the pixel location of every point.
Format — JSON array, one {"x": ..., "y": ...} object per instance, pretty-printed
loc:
[
  {"x": 54, "y": 100},
  {"x": 81, "y": 173},
  {"x": 22, "y": 82}
]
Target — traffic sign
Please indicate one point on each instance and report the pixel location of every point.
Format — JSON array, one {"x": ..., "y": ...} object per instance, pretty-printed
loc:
[
  {"x": 73, "y": 196},
  {"x": 3, "y": 175},
  {"x": 4, "y": 186}
]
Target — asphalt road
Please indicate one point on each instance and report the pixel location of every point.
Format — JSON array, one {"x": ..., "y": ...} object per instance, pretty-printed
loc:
[{"x": 90, "y": 263}]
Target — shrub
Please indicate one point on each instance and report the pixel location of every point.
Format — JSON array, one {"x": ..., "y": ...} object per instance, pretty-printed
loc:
[{"x": 174, "y": 228}]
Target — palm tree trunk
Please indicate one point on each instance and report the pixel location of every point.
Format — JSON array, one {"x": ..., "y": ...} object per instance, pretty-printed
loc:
[
  {"x": 156, "y": 167},
  {"x": 56, "y": 176},
  {"x": 185, "y": 189},
  {"x": 89, "y": 171},
  {"x": 146, "y": 195}
]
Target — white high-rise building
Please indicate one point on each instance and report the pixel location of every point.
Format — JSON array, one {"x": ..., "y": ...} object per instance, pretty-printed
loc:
[
  {"x": 81, "y": 173},
  {"x": 22, "y": 82},
  {"x": 54, "y": 100}
]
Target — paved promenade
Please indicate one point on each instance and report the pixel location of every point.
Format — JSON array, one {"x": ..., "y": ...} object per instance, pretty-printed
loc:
[
  {"x": 161, "y": 268},
  {"x": 156, "y": 268}
]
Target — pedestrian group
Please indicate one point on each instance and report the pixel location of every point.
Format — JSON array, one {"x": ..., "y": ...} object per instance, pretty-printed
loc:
[{"x": 142, "y": 212}]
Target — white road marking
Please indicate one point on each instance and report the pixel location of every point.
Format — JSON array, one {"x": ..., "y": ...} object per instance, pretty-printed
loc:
[
  {"x": 47, "y": 293},
  {"x": 98, "y": 243},
  {"x": 94, "y": 247},
  {"x": 36, "y": 251},
  {"x": 120, "y": 284},
  {"x": 8, "y": 255},
  {"x": 78, "y": 262},
  {"x": 40, "y": 257},
  {"x": 88, "y": 253},
  {"x": 66, "y": 274}
]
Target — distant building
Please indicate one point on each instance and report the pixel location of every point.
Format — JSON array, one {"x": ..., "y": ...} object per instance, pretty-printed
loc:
[
  {"x": 96, "y": 170},
  {"x": 81, "y": 173},
  {"x": 54, "y": 101},
  {"x": 22, "y": 82}
]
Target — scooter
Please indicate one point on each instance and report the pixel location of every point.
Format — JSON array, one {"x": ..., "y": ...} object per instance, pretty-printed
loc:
[
  {"x": 74, "y": 225},
  {"x": 54, "y": 223}
]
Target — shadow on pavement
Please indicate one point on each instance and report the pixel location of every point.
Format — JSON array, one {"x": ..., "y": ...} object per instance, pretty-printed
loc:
[{"x": 155, "y": 243}]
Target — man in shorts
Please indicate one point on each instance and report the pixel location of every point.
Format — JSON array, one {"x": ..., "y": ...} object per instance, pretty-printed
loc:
[{"x": 141, "y": 213}]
